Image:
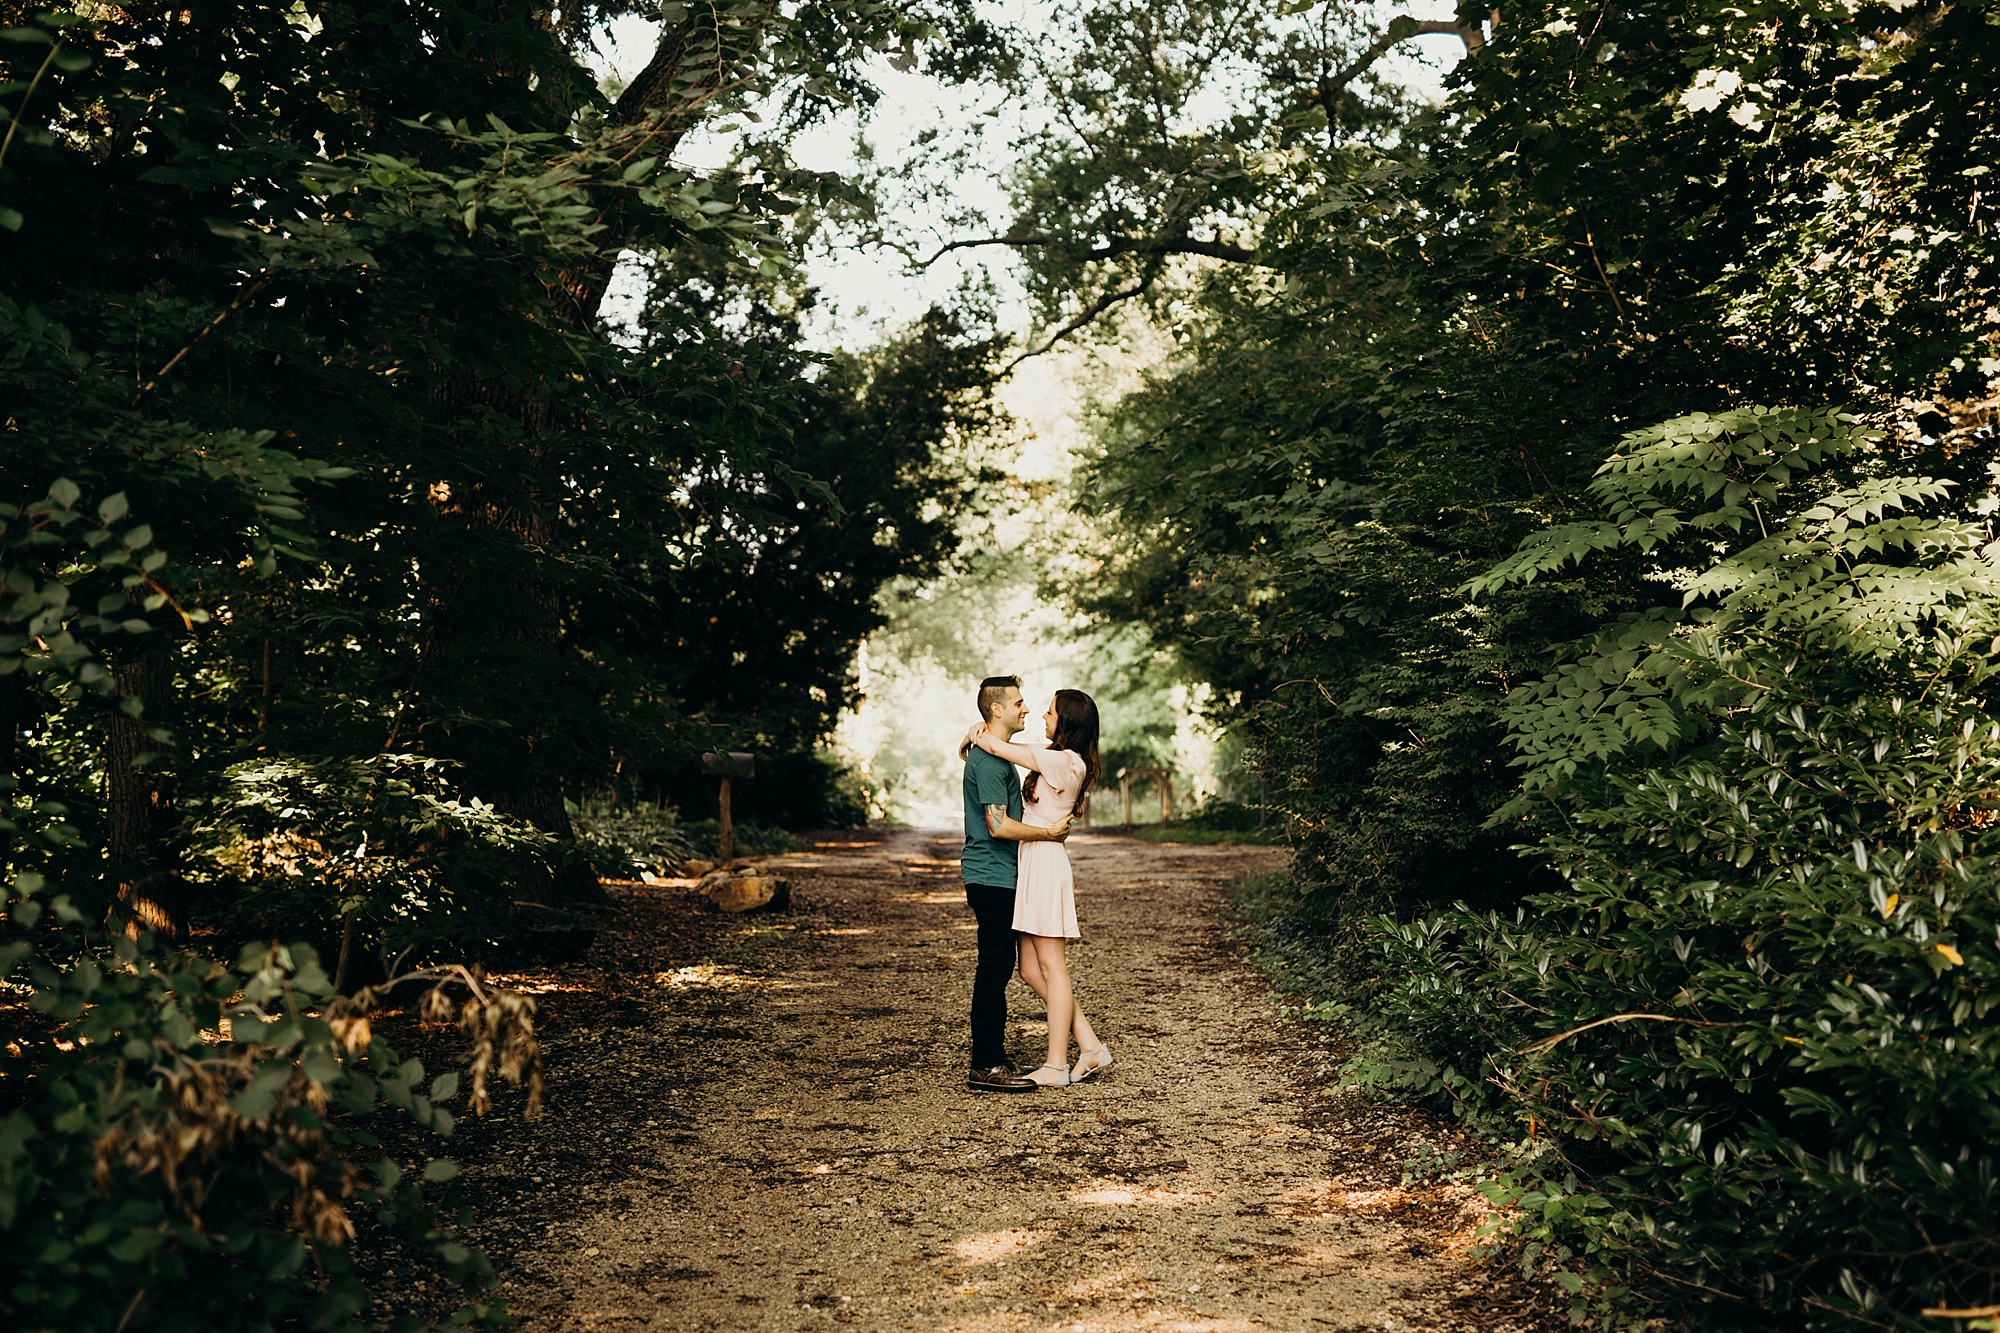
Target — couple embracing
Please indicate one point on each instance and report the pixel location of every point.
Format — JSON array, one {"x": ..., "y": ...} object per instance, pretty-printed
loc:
[{"x": 1017, "y": 879}]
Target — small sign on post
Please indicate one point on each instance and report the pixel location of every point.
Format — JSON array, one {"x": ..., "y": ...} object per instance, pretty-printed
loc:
[{"x": 735, "y": 764}]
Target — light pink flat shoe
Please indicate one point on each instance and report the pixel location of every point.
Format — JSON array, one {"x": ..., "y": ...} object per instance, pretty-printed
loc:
[{"x": 1093, "y": 1061}]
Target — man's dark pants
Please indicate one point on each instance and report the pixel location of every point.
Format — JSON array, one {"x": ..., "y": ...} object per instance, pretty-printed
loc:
[{"x": 993, "y": 908}]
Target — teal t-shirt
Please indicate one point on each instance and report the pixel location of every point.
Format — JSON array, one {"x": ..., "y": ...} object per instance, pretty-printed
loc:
[{"x": 989, "y": 780}]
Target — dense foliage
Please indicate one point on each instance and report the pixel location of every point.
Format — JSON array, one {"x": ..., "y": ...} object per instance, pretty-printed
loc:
[
  {"x": 1759, "y": 1010},
  {"x": 178, "y": 1134},
  {"x": 343, "y": 346},
  {"x": 347, "y": 550},
  {"x": 1428, "y": 450},
  {"x": 1573, "y": 496}
]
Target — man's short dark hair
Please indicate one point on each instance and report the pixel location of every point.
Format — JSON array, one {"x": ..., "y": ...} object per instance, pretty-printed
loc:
[{"x": 991, "y": 691}]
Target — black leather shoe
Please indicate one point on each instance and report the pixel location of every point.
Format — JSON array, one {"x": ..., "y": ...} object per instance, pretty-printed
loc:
[{"x": 999, "y": 1078}]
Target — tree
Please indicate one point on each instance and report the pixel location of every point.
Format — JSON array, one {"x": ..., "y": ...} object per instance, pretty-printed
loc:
[
  {"x": 369, "y": 238},
  {"x": 321, "y": 507},
  {"x": 1408, "y": 345}
]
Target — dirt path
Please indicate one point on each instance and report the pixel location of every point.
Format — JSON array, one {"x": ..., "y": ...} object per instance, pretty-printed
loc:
[{"x": 788, "y": 1143}]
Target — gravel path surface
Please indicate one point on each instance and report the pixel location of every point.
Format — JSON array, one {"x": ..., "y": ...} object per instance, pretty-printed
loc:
[{"x": 787, "y": 1142}]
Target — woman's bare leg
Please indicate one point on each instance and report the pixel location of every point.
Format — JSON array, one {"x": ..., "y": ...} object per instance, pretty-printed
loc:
[
  {"x": 1037, "y": 973},
  {"x": 1061, "y": 1001},
  {"x": 1031, "y": 967},
  {"x": 1065, "y": 1017},
  {"x": 1079, "y": 1026}
]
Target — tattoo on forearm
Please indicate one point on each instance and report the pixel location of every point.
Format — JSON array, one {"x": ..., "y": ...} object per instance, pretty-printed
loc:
[{"x": 996, "y": 815}]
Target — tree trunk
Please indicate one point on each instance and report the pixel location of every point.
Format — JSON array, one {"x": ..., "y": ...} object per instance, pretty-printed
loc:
[
  {"x": 138, "y": 799},
  {"x": 13, "y": 716},
  {"x": 497, "y": 613},
  {"x": 694, "y": 61},
  {"x": 571, "y": 879}
]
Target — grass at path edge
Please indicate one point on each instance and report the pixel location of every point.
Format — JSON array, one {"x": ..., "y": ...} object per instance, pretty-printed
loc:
[{"x": 1209, "y": 837}]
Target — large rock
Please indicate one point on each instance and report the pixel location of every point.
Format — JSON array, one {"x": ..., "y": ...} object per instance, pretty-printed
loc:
[
  {"x": 696, "y": 869},
  {"x": 748, "y": 893}
]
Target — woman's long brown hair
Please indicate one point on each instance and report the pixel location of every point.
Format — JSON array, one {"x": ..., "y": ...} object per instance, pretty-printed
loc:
[{"x": 1076, "y": 730}]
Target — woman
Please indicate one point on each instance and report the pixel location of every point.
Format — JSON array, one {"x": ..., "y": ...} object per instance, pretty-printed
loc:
[{"x": 1058, "y": 783}]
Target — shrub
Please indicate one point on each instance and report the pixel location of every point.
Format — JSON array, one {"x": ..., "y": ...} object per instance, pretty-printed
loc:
[
  {"x": 753, "y": 837},
  {"x": 1751, "y": 1040},
  {"x": 631, "y": 840},
  {"x": 626, "y": 841},
  {"x": 178, "y": 1136},
  {"x": 792, "y": 789},
  {"x": 157, "y": 1175},
  {"x": 381, "y": 845},
  {"x": 1219, "y": 822}
]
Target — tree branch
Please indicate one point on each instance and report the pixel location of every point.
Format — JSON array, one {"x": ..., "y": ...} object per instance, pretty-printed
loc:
[
  {"x": 1547, "y": 1044},
  {"x": 697, "y": 60},
  {"x": 1330, "y": 89},
  {"x": 1096, "y": 308},
  {"x": 1116, "y": 246},
  {"x": 243, "y": 294},
  {"x": 1333, "y": 87}
]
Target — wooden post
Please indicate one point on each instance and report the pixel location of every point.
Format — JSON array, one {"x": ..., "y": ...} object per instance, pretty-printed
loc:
[
  {"x": 728, "y": 848},
  {"x": 264, "y": 696},
  {"x": 1125, "y": 790},
  {"x": 735, "y": 764},
  {"x": 1166, "y": 781}
]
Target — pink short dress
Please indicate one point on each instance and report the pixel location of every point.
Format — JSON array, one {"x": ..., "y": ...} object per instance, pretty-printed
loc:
[{"x": 1044, "y": 892}]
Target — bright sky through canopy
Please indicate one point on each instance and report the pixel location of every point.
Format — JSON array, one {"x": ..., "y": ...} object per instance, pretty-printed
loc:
[{"x": 865, "y": 291}]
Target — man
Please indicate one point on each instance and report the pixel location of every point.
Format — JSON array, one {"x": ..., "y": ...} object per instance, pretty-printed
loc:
[{"x": 993, "y": 832}]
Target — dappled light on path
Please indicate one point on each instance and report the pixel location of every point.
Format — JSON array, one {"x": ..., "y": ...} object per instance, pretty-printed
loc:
[{"x": 813, "y": 1157}]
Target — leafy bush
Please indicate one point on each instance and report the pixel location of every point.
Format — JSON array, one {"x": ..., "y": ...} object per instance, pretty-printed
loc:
[
  {"x": 625, "y": 841},
  {"x": 753, "y": 838},
  {"x": 1227, "y": 817},
  {"x": 178, "y": 1136},
  {"x": 630, "y": 840},
  {"x": 792, "y": 789},
  {"x": 157, "y": 1175},
  {"x": 1287, "y": 939},
  {"x": 1752, "y": 1039},
  {"x": 380, "y": 845}
]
